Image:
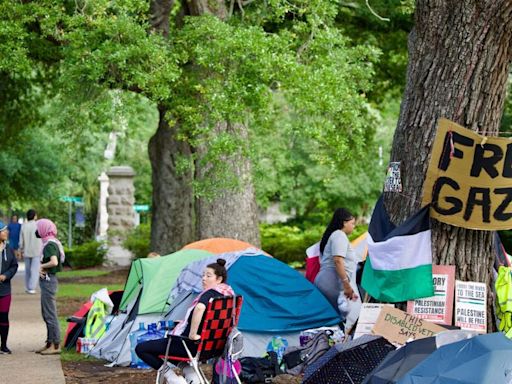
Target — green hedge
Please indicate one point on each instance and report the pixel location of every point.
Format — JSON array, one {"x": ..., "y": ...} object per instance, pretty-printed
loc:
[
  {"x": 86, "y": 255},
  {"x": 289, "y": 243},
  {"x": 138, "y": 241}
]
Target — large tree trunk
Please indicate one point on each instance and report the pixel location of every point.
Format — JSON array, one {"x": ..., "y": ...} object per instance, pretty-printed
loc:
[
  {"x": 459, "y": 56},
  {"x": 172, "y": 221},
  {"x": 232, "y": 213},
  {"x": 173, "y": 203}
]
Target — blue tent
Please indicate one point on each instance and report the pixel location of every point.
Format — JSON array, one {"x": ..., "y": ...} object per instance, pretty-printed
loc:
[
  {"x": 277, "y": 298},
  {"x": 483, "y": 359}
]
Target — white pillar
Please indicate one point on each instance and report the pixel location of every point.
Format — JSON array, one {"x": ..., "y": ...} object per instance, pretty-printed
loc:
[{"x": 102, "y": 226}]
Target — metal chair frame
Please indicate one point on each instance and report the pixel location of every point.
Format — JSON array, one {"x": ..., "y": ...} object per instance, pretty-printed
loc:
[{"x": 221, "y": 315}]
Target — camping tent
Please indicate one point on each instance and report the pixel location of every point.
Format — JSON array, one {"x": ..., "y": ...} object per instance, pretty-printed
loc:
[
  {"x": 277, "y": 299},
  {"x": 157, "y": 275}
]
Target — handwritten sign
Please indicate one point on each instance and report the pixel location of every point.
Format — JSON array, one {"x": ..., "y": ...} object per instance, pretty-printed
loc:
[
  {"x": 468, "y": 179},
  {"x": 398, "y": 326},
  {"x": 368, "y": 317},
  {"x": 438, "y": 308},
  {"x": 471, "y": 306}
]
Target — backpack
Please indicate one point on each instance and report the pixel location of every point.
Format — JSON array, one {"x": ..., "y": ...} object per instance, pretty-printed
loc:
[
  {"x": 234, "y": 345},
  {"x": 232, "y": 351},
  {"x": 297, "y": 359},
  {"x": 258, "y": 370}
]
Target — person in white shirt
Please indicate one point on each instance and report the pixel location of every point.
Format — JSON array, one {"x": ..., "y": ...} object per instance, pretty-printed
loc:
[{"x": 30, "y": 248}]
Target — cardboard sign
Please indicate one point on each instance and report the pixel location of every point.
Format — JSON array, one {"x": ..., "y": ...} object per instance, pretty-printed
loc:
[
  {"x": 438, "y": 308},
  {"x": 469, "y": 179},
  {"x": 398, "y": 326},
  {"x": 368, "y": 317},
  {"x": 471, "y": 306},
  {"x": 393, "y": 181}
]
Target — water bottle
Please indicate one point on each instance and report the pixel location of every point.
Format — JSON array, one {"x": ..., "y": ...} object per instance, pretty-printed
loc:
[
  {"x": 133, "y": 343},
  {"x": 161, "y": 328},
  {"x": 151, "y": 334}
]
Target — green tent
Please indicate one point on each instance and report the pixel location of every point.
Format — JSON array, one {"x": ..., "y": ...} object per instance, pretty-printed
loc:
[{"x": 157, "y": 276}]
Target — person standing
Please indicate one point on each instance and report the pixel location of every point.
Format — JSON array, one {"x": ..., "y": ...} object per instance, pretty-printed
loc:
[
  {"x": 337, "y": 259},
  {"x": 51, "y": 262},
  {"x": 30, "y": 250},
  {"x": 14, "y": 234},
  {"x": 8, "y": 268}
]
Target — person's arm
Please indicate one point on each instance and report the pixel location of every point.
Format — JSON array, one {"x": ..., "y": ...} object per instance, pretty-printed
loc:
[
  {"x": 197, "y": 315},
  {"x": 22, "y": 241},
  {"x": 53, "y": 262},
  {"x": 11, "y": 270},
  {"x": 339, "y": 262}
]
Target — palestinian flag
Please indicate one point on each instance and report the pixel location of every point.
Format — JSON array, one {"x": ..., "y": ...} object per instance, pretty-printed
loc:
[{"x": 399, "y": 262}]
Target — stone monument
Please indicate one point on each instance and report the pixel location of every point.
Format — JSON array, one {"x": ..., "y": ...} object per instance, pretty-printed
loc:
[{"x": 121, "y": 216}]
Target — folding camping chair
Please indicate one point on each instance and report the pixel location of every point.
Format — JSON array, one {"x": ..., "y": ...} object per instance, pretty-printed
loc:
[{"x": 219, "y": 319}]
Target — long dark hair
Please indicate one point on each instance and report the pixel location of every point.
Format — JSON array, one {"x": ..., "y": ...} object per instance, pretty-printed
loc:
[
  {"x": 340, "y": 216},
  {"x": 219, "y": 269}
]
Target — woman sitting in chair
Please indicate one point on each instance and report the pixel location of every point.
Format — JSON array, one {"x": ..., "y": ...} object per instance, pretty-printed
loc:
[{"x": 214, "y": 285}]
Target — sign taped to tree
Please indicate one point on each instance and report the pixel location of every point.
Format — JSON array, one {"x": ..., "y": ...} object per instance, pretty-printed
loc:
[
  {"x": 393, "y": 181},
  {"x": 471, "y": 306},
  {"x": 438, "y": 308},
  {"x": 469, "y": 179}
]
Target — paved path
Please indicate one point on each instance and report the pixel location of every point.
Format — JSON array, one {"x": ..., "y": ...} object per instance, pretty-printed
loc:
[{"x": 27, "y": 333}]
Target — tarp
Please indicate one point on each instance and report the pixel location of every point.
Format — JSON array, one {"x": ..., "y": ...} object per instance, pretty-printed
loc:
[{"x": 158, "y": 276}]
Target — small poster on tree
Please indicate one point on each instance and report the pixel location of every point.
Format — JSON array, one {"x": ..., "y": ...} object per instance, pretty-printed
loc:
[{"x": 393, "y": 181}]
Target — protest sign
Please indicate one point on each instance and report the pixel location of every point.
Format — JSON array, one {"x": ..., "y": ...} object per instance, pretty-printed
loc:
[
  {"x": 438, "y": 308},
  {"x": 393, "y": 182},
  {"x": 471, "y": 306},
  {"x": 398, "y": 326},
  {"x": 368, "y": 316},
  {"x": 469, "y": 178}
]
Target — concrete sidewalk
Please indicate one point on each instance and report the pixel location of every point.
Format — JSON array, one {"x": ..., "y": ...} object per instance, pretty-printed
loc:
[{"x": 27, "y": 333}]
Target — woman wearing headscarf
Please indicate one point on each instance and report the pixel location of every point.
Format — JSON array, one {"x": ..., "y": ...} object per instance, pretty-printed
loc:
[
  {"x": 214, "y": 285},
  {"x": 8, "y": 268},
  {"x": 337, "y": 259},
  {"x": 52, "y": 257}
]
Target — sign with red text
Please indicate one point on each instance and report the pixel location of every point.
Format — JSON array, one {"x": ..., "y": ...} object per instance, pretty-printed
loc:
[
  {"x": 469, "y": 179},
  {"x": 398, "y": 326},
  {"x": 437, "y": 308},
  {"x": 471, "y": 306}
]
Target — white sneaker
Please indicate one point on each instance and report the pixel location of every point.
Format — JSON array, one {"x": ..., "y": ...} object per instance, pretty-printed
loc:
[
  {"x": 172, "y": 378},
  {"x": 191, "y": 376}
]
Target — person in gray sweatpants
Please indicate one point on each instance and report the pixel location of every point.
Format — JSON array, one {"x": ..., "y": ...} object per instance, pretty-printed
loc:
[
  {"x": 30, "y": 249},
  {"x": 51, "y": 261}
]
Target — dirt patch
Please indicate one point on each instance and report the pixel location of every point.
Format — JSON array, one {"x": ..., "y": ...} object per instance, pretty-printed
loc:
[
  {"x": 67, "y": 306},
  {"x": 94, "y": 372}
]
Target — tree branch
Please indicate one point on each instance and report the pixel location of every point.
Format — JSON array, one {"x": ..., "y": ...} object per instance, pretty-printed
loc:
[{"x": 375, "y": 13}]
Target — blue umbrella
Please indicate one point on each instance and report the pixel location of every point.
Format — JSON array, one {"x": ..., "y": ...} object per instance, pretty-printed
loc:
[
  {"x": 398, "y": 363},
  {"x": 483, "y": 359}
]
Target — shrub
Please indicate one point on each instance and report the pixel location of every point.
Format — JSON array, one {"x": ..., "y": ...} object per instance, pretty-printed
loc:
[
  {"x": 138, "y": 240},
  {"x": 86, "y": 255},
  {"x": 289, "y": 243}
]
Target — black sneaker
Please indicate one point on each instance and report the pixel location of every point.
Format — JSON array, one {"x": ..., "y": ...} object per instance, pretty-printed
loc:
[{"x": 5, "y": 351}]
